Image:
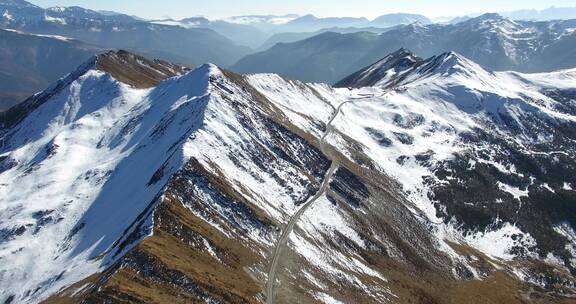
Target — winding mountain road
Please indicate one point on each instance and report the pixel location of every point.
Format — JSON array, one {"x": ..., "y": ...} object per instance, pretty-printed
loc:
[{"x": 283, "y": 240}]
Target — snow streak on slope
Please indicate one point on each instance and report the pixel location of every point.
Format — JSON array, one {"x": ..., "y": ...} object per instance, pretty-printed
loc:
[{"x": 306, "y": 107}]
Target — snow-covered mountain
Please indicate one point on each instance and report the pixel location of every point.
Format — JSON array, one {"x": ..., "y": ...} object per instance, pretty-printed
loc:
[
  {"x": 22, "y": 12},
  {"x": 490, "y": 40},
  {"x": 389, "y": 20},
  {"x": 423, "y": 181},
  {"x": 506, "y": 147}
]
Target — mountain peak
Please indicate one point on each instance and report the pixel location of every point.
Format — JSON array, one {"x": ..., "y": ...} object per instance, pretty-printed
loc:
[
  {"x": 383, "y": 69},
  {"x": 449, "y": 63},
  {"x": 197, "y": 20},
  {"x": 449, "y": 58},
  {"x": 136, "y": 70},
  {"x": 129, "y": 68},
  {"x": 208, "y": 70},
  {"x": 401, "y": 18},
  {"x": 398, "y": 67},
  {"x": 208, "y": 67},
  {"x": 491, "y": 20},
  {"x": 305, "y": 18},
  {"x": 489, "y": 16},
  {"x": 402, "y": 52}
]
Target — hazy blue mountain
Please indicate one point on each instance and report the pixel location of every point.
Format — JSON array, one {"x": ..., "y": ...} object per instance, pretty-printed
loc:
[
  {"x": 265, "y": 23},
  {"x": 311, "y": 23},
  {"x": 491, "y": 40},
  {"x": 399, "y": 18},
  {"x": 327, "y": 57},
  {"x": 29, "y": 63},
  {"x": 551, "y": 13},
  {"x": 293, "y": 37},
  {"x": 459, "y": 19},
  {"x": 242, "y": 34}
]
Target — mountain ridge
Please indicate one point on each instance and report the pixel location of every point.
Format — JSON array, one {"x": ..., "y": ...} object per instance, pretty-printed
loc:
[{"x": 136, "y": 71}]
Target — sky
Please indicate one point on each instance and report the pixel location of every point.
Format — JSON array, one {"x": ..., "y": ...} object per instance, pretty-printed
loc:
[{"x": 321, "y": 8}]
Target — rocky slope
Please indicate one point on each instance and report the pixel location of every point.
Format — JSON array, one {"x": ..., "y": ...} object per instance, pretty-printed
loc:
[{"x": 187, "y": 188}]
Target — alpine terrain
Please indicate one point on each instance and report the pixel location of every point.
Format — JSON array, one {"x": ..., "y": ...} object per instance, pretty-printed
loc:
[{"x": 411, "y": 181}]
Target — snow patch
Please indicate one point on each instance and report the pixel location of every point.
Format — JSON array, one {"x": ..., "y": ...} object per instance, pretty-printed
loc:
[
  {"x": 325, "y": 298},
  {"x": 498, "y": 243},
  {"x": 7, "y": 15},
  {"x": 516, "y": 192},
  {"x": 54, "y": 19}
]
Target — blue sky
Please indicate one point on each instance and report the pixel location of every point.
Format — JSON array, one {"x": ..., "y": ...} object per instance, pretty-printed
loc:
[{"x": 323, "y": 8}]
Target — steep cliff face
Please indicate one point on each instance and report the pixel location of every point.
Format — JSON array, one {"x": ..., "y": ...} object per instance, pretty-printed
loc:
[{"x": 215, "y": 187}]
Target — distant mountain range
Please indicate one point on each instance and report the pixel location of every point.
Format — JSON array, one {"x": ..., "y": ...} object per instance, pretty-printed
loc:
[
  {"x": 256, "y": 31},
  {"x": 311, "y": 23},
  {"x": 551, "y": 13},
  {"x": 242, "y": 34},
  {"x": 265, "y": 23},
  {"x": 491, "y": 40},
  {"x": 191, "y": 46}
]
